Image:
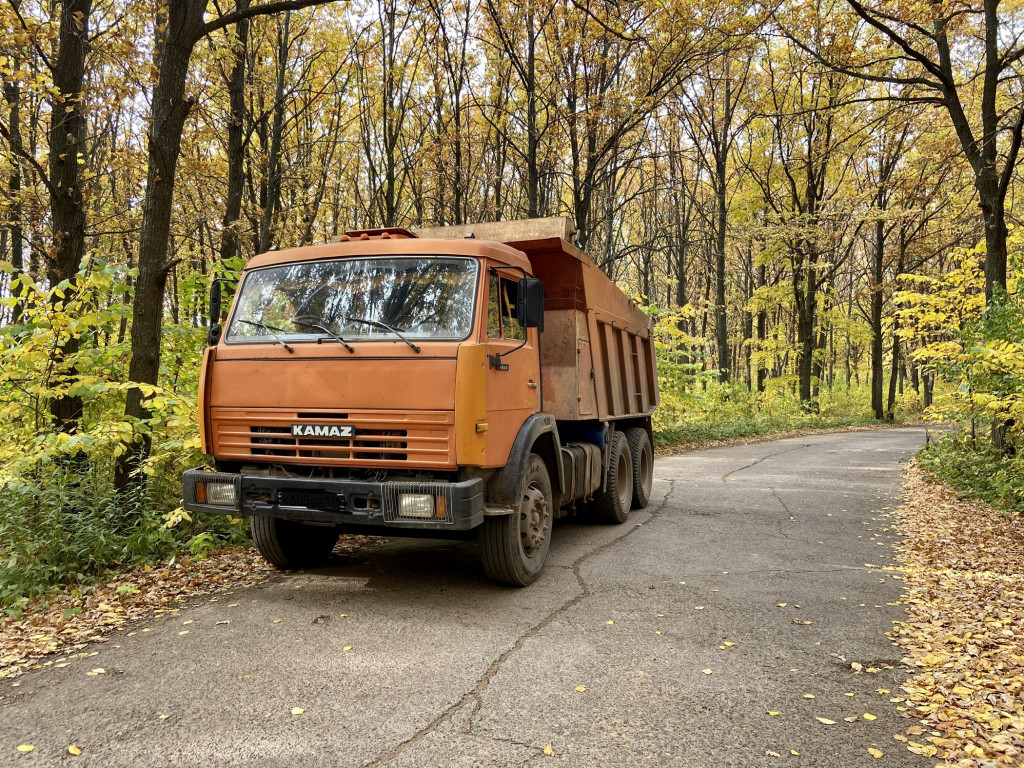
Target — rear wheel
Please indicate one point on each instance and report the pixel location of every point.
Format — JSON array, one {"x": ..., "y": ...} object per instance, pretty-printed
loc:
[
  {"x": 642, "y": 454},
  {"x": 612, "y": 504},
  {"x": 289, "y": 544},
  {"x": 515, "y": 546}
]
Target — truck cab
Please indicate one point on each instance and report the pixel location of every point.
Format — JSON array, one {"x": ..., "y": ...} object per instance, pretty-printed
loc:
[{"x": 401, "y": 384}]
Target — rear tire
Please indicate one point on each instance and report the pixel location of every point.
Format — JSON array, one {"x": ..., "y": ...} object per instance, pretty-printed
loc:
[
  {"x": 642, "y": 454},
  {"x": 515, "y": 547},
  {"x": 612, "y": 504},
  {"x": 291, "y": 545}
]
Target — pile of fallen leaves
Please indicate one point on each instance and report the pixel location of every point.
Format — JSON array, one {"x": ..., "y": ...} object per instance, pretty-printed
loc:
[
  {"x": 964, "y": 566},
  {"x": 67, "y": 623}
]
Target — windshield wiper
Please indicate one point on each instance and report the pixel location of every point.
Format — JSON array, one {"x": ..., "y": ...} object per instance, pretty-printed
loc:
[
  {"x": 323, "y": 329},
  {"x": 385, "y": 326},
  {"x": 270, "y": 329}
]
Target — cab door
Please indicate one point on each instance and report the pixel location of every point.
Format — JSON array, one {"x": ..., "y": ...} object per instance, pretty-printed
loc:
[{"x": 513, "y": 380}]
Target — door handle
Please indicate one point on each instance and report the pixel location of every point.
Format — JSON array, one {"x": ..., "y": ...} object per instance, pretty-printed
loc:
[{"x": 532, "y": 384}]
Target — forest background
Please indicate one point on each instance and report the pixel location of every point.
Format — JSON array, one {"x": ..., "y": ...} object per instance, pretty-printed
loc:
[{"x": 815, "y": 201}]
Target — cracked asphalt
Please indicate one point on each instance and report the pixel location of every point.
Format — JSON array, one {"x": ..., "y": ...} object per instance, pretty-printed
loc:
[{"x": 751, "y": 584}]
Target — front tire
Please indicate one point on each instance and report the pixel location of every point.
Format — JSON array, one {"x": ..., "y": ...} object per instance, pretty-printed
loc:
[
  {"x": 642, "y": 454},
  {"x": 612, "y": 504},
  {"x": 292, "y": 545},
  {"x": 515, "y": 547}
]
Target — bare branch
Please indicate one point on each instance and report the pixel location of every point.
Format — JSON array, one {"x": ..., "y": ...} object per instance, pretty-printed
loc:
[{"x": 259, "y": 10}]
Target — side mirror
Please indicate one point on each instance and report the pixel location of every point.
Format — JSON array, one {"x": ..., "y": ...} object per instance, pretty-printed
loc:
[
  {"x": 215, "y": 302},
  {"x": 530, "y": 303},
  {"x": 213, "y": 335}
]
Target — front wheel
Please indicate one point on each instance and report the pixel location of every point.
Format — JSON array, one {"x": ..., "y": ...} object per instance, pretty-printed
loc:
[
  {"x": 288, "y": 544},
  {"x": 515, "y": 546}
]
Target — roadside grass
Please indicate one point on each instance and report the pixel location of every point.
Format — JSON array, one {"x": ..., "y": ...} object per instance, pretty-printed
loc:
[
  {"x": 963, "y": 566},
  {"x": 699, "y": 415},
  {"x": 63, "y": 533},
  {"x": 976, "y": 469}
]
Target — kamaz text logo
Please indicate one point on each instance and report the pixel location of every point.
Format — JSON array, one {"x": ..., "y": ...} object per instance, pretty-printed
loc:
[{"x": 322, "y": 430}]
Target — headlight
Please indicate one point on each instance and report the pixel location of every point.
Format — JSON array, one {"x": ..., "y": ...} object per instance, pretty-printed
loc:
[
  {"x": 221, "y": 494},
  {"x": 416, "y": 505}
]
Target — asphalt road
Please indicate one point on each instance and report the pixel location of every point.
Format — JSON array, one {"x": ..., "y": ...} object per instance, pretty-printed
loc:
[{"x": 753, "y": 580}]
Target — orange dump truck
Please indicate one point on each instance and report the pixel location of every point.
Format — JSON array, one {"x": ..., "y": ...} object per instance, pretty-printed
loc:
[{"x": 454, "y": 382}]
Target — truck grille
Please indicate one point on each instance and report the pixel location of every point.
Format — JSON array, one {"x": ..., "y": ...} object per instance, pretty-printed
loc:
[{"x": 380, "y": 439}]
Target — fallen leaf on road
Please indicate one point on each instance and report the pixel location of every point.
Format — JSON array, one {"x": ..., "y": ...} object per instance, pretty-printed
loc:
[
  {"x": 74, "y": 750},
  {"x": 278, "y": 621},
  {"x": 727, "y": 644},
  {"x": 875, "y": 753},
  {"x": 772, "y": 754},
  {"x": 581, "y": 688},
  {"x": 64, "y": 623},
  {"x": 808, "y": 695},
  {"x": 549, "y": 751},
  {"x": 825, "y": 720},
  {"x": 347, "y": 648},
  {"x": 852, "y": 718},
  {"x": 25, "y": 747},
  {"x": 781, "y": 605},
  {"x": 869, "y": 716},
  {"x": 856, "y": 666},
  {"x": 802, "y": 622},
  {"x": 297, "y": 710},
  {"x": 773, "y": 713},
  {"x": 97, "y": 671},
  {"x": 609, "y": 622},
  {"x": 698, "y": 607},
  {"x": 794, "y": 753}
]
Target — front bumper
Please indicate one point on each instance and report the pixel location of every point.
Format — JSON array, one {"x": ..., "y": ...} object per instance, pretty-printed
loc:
[{"x": 457, "y": 506}]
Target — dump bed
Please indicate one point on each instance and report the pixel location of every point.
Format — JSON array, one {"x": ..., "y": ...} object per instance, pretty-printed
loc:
[{"x": 597, "y": 355}]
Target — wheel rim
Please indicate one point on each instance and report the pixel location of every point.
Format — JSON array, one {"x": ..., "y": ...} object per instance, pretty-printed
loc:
[
  {"x": 622, "y": 481},
  {"x": 533, "y": 519}
]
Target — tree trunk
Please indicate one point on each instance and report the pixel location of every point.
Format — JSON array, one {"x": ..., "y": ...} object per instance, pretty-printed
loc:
[
  {"x": 12, "y": 95},
  {"x": 877, "y": 350},
  {"x": 894, "y": 373},
  {"x": 67, "y": 205},
  {"x": 182, "y": 28},
  {"x": 721, "y": 322},
  {"x": 273, "y": 195},
  {"x": 236, "y": 146},
  {"x": 762, "y": 327}
]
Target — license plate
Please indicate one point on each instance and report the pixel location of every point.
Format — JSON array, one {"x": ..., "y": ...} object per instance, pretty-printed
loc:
[{"x": 326, "y": 502}]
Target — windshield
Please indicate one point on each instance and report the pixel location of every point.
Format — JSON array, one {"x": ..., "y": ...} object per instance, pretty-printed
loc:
[{"x": 356, "y": 299}]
